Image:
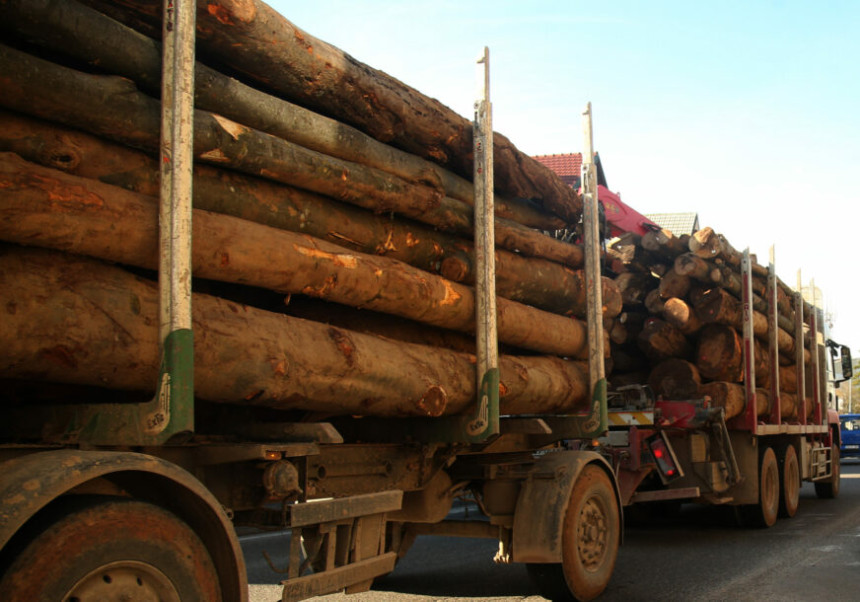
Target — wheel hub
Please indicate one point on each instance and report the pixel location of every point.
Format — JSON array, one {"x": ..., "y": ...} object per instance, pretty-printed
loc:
[
  {"x": 592, "y": 534},
  {"x": 127, "y": 581}
]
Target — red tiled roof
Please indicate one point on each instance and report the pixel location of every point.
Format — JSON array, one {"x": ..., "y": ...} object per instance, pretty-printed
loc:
[{"x": 566, "y": 164}]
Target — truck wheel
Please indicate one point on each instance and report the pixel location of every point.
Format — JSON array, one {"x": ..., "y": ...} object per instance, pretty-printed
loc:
[
  {"x": 764, "y": 513},
  {"x": 829, "y": 489},
  {"x": 119, "y": 549},
  {"x": 589, "y": 542},
  {"x": 789, "y": 483}
]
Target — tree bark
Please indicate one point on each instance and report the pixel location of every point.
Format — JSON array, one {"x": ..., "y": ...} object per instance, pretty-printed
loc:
[
  {"x": 719, "y": 356},
  {"x": 673, "y": 284},
  {"x": 99, "y": 327},
  {"x": 731, "y": 397},
  {"x": 260, "y": 45},
  {"x": 693, "y": 266},
  {"x": 50, "y": 208},
  {"x": 534, "y": 281},
  {"x": 634, "y": 286},
  {"x": 659, "y": 341},
  {"x": 665, "y": 244},
  {"x": 120, "y": 50},
  {"x": 675, "y": 379},
  {"x": 111, "y": 108},
  {"x": 720, "y": 307}
]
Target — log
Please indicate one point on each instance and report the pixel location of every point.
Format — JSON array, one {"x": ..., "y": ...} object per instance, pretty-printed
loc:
[
  {"x": 634, "y": 286},
  {"x": 673, "y": 284},
  {"x": 628, "y": 252},
  {"x": 675, "y": 379},
  {"x": 113, "y": 109},
  {"x": 547, "y": 284},
  {"x": 120, "y": 50},
  {"x": 654, "y": 303},
  {"x": 732, "y": 398},
  {"x": 719, "y": 307},
  {"x": 665, "y": 244},
  {"x": 260, "y": 45},
  {"x": 51, "y": 208},
  {"x": 682, "y": 316},
  {"x": 627, "y": 358},
  {"x": 284, "y": 363},
  {"x": 693, "y": 266},
  {"x": 541, "y": 283},
  {"x": 719, "y": 356},
  {"x": 659, "y": 340}
]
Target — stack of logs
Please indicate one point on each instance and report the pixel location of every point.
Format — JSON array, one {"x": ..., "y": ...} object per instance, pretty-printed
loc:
[
  {"x": 332, "y": 233},
  {"x": 332, "y": 223},
  {"x": 682, "y": 324}
]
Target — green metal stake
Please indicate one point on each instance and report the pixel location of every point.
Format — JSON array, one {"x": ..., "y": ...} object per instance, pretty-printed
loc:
[{"x": 171, "y": 412}]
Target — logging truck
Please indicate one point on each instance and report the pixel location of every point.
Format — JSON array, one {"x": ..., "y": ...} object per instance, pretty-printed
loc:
[{"x": 377, "y": 322}]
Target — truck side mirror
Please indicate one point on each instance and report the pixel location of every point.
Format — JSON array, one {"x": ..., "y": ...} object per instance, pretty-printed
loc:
[{"x": 847, "y": 364}]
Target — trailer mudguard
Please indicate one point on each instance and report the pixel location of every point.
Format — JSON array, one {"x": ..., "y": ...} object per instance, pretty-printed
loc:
[
  {"x": 543, "y": 500},
  {"x": 29, "y": 483}
]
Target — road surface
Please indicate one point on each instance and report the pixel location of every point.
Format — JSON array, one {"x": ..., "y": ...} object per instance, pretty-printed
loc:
[{"x": 699, "y": 555}]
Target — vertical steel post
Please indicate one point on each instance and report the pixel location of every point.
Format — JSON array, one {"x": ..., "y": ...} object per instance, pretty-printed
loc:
[
  {"x": 800, "y": 356},
  {"x": 818, "y": 395},
  {"x": 773, "y": 349},
  {"x": 175, "y": 394},
  {"x": 486, "y": 420},
  {"x": 748, "y": 342},
  {"x": 593, "y": 278}
]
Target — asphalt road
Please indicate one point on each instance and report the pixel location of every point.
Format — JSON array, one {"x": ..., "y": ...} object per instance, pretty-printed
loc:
[{"x": 699, "y": 555}]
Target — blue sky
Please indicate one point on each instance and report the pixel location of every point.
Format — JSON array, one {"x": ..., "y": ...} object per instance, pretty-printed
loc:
[{"x": 745, "y": 112}]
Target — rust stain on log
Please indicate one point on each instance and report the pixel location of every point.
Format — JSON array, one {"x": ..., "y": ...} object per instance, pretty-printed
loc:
[
  {"x": 243, "y": 11},
  {"x": 60, "y": 355},
  {"x": 343, "y": 342},
  {"x": 279, "y": 367},
  {"x": 451, "y": 296},
  {"x": 61, "y": 195},
  {"x": 338, "y": 259},
  {"x": 216, "y": 154},
  {"x": 235, "y": 130}
]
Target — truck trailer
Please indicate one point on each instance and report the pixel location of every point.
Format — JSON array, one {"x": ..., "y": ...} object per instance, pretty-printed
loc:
[{"x": 249, "y": 281}]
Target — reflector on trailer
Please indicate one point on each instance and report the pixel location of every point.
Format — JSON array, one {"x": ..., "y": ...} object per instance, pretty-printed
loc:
[{"x": 664, "y": 457}]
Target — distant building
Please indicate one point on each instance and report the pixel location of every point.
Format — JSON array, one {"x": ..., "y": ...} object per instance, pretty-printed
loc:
[{"x": 677, "y": 223}]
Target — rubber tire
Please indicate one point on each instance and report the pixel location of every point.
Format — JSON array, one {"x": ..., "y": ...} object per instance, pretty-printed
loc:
[
  {"x": 789, "y": 482},
  {"x": 106, "y": 536},
  {"x": 592, "y": 511},
  {"x": 765, "y": 512},
  {"x": 828, "y": 490}
]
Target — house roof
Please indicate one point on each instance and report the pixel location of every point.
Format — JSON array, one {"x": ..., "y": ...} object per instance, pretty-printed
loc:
[
  {"x": 568, "y": 167},
  {"x": 677, "y": 223},
  {"x": 621, "y": 217}
]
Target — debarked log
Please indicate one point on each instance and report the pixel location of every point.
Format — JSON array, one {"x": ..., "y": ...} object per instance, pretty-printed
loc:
[
  {"x": 44, "y": 207},
  {"x": 98, "y": 327}
]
